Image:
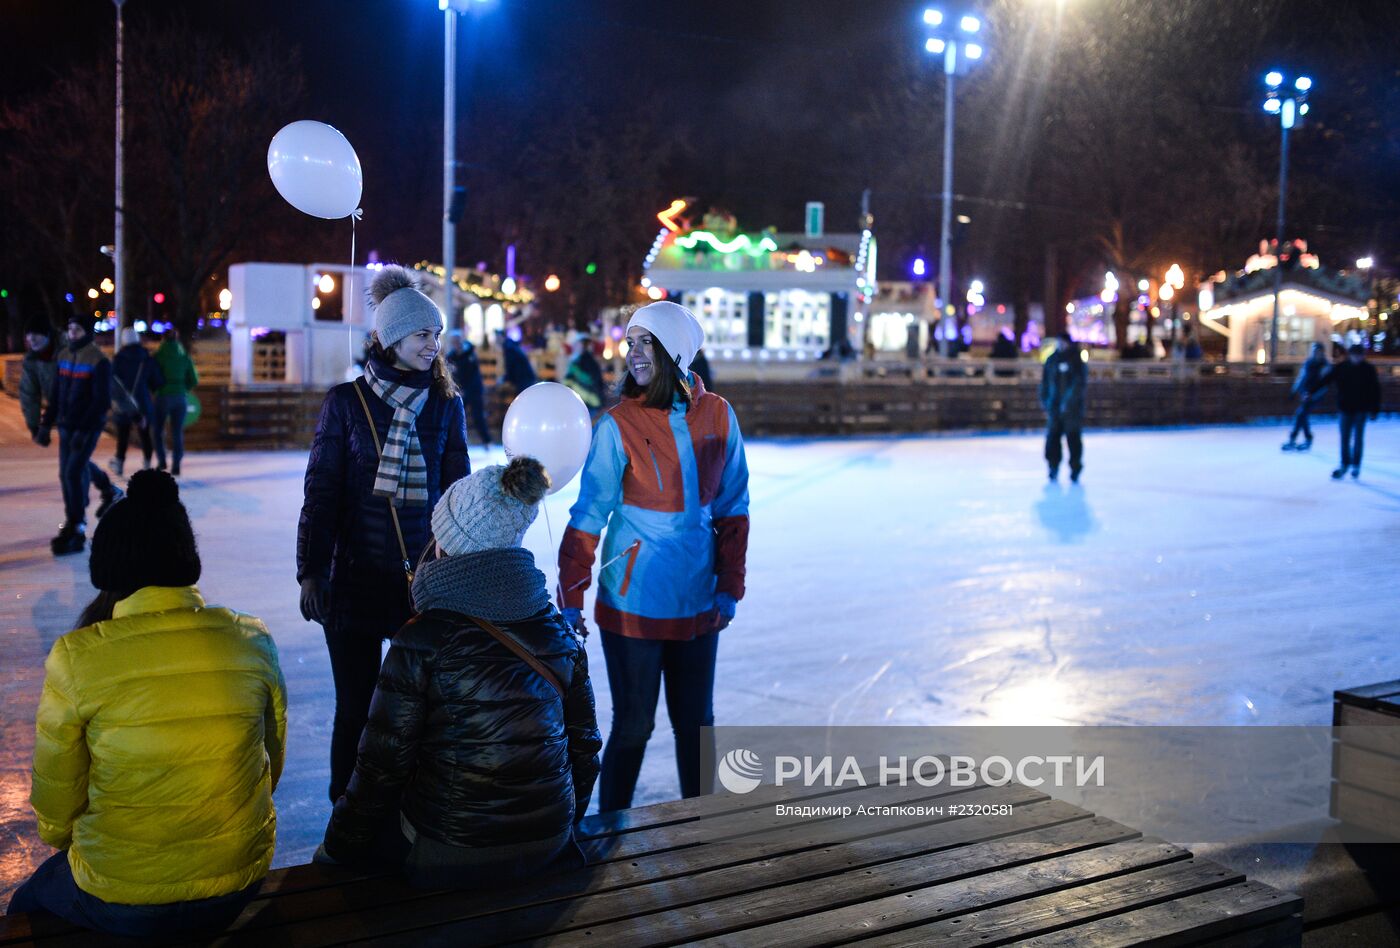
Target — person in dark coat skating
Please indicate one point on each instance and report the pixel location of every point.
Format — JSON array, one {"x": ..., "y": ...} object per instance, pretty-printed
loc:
[
  {"x": 514, "y": 368},
  {"x": 135, "y": 376},
  {"x": 1305, "y": 390},
  {"x": 466, "y": 372},
  {"x": 77, "y": 406},
  {"x": 1062, "y": 396},
  {"x": 1358, "y": 388},
  {"x": 481, "y": 749},
  {"x": 386, "y": 446}
]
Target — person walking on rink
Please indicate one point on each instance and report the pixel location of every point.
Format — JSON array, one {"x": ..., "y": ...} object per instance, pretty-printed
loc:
[
  {"x": 1358, "y": 388},
  {"x": 135, "y": 375},
  {"x": 1305, "y": 390},
  {"x": 1062, "y": 396},
  {"x": 177, "y": 370}
]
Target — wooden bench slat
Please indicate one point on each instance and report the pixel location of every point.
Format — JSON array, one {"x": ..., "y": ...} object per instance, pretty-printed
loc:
[
  {"x": 1026, "y": 918},
  {"x": 1366, "y": 693},
  {"x": 1243, "y": 907},
  {"x": 646, "y": 869},
  {"x": 801, "y": 914}
]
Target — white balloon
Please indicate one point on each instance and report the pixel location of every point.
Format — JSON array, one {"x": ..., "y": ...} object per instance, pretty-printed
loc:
[
  {"x": 315, "y": 168},
  {"x": 550, "y": 423}
]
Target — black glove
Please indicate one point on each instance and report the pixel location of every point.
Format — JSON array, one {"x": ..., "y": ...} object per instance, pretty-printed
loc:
[
  {"x": 315, "y": 600},
  {"x": 42, "y": 438}
]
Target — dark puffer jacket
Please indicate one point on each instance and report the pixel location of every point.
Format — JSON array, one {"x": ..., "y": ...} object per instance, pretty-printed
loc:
[
  {"x": 470, "y": 742},
  {"x": 345, "y": 535}
]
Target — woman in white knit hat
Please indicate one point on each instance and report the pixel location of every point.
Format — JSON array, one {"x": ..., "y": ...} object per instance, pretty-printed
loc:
[
  {"x": 482, "y": 744},
  {"x": 667, "y": 481},
  {"x": 386, "y": 446}
]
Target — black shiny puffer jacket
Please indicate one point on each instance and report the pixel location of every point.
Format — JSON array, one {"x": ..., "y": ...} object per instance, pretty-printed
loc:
[
  {"x": 471, "y": 743},
  {"x": 345, "y": 535}
]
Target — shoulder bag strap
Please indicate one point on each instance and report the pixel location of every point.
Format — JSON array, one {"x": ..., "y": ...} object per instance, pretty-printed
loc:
[
  {"x": 521, "y": 652},
  {"x": 393, "y": 511}
]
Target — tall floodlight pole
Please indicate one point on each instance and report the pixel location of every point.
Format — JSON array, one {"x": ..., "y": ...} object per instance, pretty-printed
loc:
[
  {"x": 1290, "y": 107},
  {"x": 119, "y": 240},
  {"x": 450, "y": 10},
  {"x": 954, "y": 44}
]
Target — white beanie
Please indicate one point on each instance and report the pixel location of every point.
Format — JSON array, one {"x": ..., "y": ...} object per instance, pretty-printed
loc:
[
  {"x": 675, "y": 327},
  {"x": 400, "y": 307}
]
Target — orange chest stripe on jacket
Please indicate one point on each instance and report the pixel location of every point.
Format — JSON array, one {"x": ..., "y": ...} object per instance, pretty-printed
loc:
[{"x": 652, "y": 480}]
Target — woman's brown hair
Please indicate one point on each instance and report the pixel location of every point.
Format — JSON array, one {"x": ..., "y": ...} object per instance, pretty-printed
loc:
[
  {"x": 443, "y": 383},
  {"x": 667, "y": 383}
]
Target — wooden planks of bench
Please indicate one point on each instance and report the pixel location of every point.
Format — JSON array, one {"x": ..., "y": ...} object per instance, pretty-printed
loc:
[{"x": 726, "y": 870}]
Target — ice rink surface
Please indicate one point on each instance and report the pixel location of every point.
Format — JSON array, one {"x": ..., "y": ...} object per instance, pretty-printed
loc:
[{"x": 1196, "y": 576}]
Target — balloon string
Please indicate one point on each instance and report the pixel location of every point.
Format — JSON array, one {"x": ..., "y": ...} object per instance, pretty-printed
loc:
[
  {"x": 623, "y": 555},
  {"x": 549, "y": 528},
  {"x": 349, "y": 303}
]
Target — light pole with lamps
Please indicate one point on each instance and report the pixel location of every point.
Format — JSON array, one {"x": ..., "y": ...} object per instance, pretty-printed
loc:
[
  {"x": 119, "y": 238},
  {"x": 956, "y": 43},
  {"x": 451, "y": 204},
  {"x": 1290, "y": 106}
]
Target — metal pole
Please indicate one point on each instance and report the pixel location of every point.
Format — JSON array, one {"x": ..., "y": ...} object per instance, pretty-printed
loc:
[
  {"x": 945, "y": 249},
  {"x": 449, "y": 163},
  {"x": 119, "y": 241},
  {"x": 1278, "y": 257}
]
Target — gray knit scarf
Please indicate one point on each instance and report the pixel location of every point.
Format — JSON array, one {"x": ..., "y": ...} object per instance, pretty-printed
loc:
[
  {"x": 403, "y": 473},
  {"x": 501, "y": 585}
]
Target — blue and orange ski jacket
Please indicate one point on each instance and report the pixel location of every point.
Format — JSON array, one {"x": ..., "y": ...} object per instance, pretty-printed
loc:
[{"x": 672, "y": 490}]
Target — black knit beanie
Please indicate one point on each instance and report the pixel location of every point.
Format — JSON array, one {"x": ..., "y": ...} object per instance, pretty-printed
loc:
[{"x": 145, "y": 539}]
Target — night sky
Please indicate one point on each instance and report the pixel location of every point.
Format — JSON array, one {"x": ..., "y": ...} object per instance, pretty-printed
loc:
[{"x": 766, "y": 98}]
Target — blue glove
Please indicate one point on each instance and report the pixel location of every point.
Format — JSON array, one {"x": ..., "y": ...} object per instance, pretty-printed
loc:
[
  {"x": 574, "y": 618},
  {"x": 726, "y": 604}
]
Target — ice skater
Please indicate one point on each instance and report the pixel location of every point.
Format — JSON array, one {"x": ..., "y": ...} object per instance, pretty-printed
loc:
[
  {"x": 135, "y": 375},
  {"x": 466, "y": 372},
  {"x": 76, "y": 403},
  {"x": 667, "y": 478},
  {"x": 1358, "y": 388},
  {"x": 482, "y": 745},
  {"x": 584, "y": 375},
  {"x": 1062, "y": 396},
  {"x": 386, "y": 446},
  {"x": 1305, "y": 390},
  {"x": 177, "y": 370}
]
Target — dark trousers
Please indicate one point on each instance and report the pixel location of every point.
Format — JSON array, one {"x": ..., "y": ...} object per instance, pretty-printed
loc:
[
  {"x": 52, "y": 889},
  {"x": 171, "y": 408},
  {"x": 1300, "y": 422},
  {"x": 476, "y": 416},
  {"x": 354, "y": 640},
  {"x": 636, "y": 668},
  {"x": 77, "y": 473},
  {"x": 142, "y": 425},
  {"x": 1071, "y": 430},
  {"x": 1353, "y": 437}
]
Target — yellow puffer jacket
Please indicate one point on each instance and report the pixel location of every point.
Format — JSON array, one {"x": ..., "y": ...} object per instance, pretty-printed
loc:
[{"x": 161, "y": 735}]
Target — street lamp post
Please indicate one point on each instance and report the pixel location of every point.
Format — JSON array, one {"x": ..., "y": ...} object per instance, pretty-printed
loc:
[
  {"x": 451, "y": 204},
  {"x": 119, "y": 238},
  {"x": 955, "y": 43},
  {"x": 1290, "y": 107}
]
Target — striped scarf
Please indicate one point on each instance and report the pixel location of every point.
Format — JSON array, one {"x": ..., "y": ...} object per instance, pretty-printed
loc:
[{"x": 403, "y": 473}]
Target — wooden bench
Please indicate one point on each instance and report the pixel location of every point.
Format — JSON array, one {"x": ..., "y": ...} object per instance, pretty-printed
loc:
[
  {"x": 1366, "y": 758},
  {"x": 727, "y": 869}
]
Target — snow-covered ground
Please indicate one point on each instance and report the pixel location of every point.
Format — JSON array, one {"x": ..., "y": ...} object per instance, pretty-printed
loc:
[{"x": 1197, "y": 576}]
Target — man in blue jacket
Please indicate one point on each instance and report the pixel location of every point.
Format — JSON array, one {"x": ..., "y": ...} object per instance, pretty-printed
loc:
[
  {"x": 77, "y": 406},
  {"x": 1062, "y": 396}
]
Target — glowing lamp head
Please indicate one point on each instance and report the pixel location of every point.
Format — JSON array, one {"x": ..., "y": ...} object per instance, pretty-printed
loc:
[
  {"x": 1274, "y": 79},
  {"x": 920, "y": 267},
  {"x": 551, "y": 283},
  {"x": 1365, "y": 263},
  {"x": 1302, "y": 83},
  {"x": 970, "y": 24},
  {"x": 225, "y": 299},
  {"x": 935, "y": 45},
  {"x": 326, "y": 283},
  {"x": 972, "y": 50},
  {"x": 158, "y": 298},
  {"x": 1272, "y": 106},
  {"x": 933, "y": 17}
]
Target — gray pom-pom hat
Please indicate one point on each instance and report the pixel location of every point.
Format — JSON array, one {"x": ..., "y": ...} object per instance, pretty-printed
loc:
[{"x": 400, "y": 307}]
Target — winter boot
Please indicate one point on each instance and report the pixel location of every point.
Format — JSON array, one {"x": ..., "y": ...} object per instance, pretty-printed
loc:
[
  {"x": 70, "y": 540},
  {"x": 1054, "y": 473},
  {"x": 1338, "y": 473},
  {"x": 109, "y": 497},
  {"x": 1355, "y": 473},
  {"x": 1289, "y": 446},
  {"x": 1074, "y": 474},
  {"x": 175, "y": 470},
  {"x": 1306, "y": 445}
]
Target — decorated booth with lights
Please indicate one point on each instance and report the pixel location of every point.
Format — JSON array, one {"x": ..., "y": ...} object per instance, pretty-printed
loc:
[
  {"x": 1313, "y": 303},
  {"x": 765, "y": 294}
]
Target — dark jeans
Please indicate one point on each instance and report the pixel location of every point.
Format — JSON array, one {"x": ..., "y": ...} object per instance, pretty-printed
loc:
[
  {"x": 1071, "y": 430},
  {"x": 143, "y": 430},
  {"x": 172, "y": 408},
  {"x": 1300, "y": 422},
  {"x": 356, "y": 653},
  {"x": 476, "y": 415},
  {"x": 52, "y": 889},
  {"x": 1353, "y": 437},
  {"x": 76, "y": 472},
  {"x": 635, "y": 670}
]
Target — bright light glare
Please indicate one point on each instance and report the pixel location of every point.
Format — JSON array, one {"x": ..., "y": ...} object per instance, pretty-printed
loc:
[
  {"x": 1142, "y": 286},
  {"x": 1303, "y": 84},
  {"x": 920, "y": 268},
  {"x": 976, "y": 286},
  {"x": 933, "y": 17},
  {"x": 507, "y": 286},
  {"x": 1272, "y": 106},
  {"x": 935, "y": 46},
  {"x": 1303, "y": 109},
  {"x": 972, "y": 50},
  {"x": 1166, "y": 292},
  {"x": 225, "y": 299},
  {"x": 326, "y": 284},
  {"x": 93, "y": 294},
  {"x": 551, "y": 283},
  {"x": 1274, "y": 79},
  {"x": 1365, "y": 263},
  {"x": 970, "y": 24}
]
